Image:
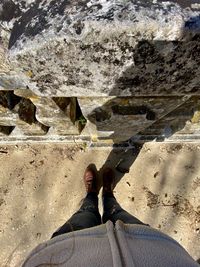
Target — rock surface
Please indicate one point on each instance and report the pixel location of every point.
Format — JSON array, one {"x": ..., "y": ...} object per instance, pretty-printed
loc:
[
  {"x": 102, "y": 48},
  {"x": 129, "y": 63},
  {"x": 121, "y": 118},
  {"x": 98, "y": 119}
]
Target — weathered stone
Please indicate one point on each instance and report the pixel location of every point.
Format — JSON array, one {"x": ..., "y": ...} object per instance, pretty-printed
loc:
[
  {"x": 101, "y": 48},
  {"x": 58, "y": 114},
  {"x": 23, "y": 4},
  {"x": 184, "y": 120},
  {"x": 10, "y": 79},
  {"x": 5, "y": 130},
  {"x": 8, "y": 10},
  {"x": 4, "y": 39},
  {"x": 99, "y": 51},
  {"x": 18, "y": 114},
  {"x": 123, "y": 117},
  {"x": 11, "y": 9},
  {"x": 109, "y": 119}
]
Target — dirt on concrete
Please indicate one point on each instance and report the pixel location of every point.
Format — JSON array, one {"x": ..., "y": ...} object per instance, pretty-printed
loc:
[{"x": 41, "y": 187}]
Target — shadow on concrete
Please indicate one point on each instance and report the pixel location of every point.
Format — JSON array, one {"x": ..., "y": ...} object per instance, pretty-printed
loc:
[{"x": 121, "y": 159}]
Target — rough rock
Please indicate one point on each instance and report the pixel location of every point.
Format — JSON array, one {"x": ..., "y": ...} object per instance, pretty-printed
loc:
[
  {"x": 181, "y": 123},
  {"x": 133, "y": 66},
  {"x": 10, "y": 78},
  {"x": 10, "y": 9},
  {"x": 60, "y": 118},
  {"x": 18, "y": 115},
  {"x": 120, "y": 118},
  {"x": 102, "y": 48},
  {"x": 100, "y": 119}
]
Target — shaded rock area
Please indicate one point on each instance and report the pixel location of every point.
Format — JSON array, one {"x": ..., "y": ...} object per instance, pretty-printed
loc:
[
  {"x": 10, "y": 9},
  {"x": 102, "y": 48}
]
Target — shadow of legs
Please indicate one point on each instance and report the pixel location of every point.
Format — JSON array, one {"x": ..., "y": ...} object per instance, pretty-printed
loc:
[
  {"x": 121, "y": 159},
  {"x": 87, "y": 216},
  {"x": 113, "y": 211}
]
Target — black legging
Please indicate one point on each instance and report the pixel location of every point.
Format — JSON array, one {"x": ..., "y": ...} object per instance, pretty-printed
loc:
[{"x": 88, "y": 215}]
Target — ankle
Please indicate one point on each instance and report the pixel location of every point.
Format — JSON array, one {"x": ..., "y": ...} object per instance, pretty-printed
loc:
[
  {"x": 108, "y": 181},
  {"x": 108, "y": 194},
  {"x": 107, "y": 189}
]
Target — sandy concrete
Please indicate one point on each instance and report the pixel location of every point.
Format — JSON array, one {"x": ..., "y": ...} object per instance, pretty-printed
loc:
[{"x": 41, "y": 186}]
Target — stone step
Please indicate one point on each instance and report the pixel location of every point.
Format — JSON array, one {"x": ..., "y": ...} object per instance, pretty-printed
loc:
[{"x": 99, "y": 120}]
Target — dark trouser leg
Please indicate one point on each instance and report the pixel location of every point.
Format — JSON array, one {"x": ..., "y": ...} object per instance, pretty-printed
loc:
[
  {"x": 114, "y": 212},
  {"x": 87, "y": 216}
]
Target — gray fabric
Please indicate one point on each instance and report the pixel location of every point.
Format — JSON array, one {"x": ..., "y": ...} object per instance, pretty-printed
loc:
[{"x": 106, "y": 245}]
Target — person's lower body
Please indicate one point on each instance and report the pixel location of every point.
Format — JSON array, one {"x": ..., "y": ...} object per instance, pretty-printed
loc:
[
  {"x": 87, "y": 216},
  {"x": 114, "y": 212}
]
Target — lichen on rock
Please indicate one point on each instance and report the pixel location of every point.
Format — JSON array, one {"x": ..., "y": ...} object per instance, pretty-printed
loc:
[{"x": 102, "y": 48}]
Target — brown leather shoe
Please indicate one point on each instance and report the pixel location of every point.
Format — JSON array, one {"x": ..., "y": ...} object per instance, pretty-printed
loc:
[
  {"x": 90, "y": 179},
  {"x": 108, "y": 180}
]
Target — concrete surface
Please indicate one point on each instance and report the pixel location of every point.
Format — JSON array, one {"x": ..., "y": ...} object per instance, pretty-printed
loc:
[{"x": 41, "y": 186}]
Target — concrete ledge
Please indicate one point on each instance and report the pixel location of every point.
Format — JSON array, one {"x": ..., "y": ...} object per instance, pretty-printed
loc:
[{"x": 27, "y": 116}]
